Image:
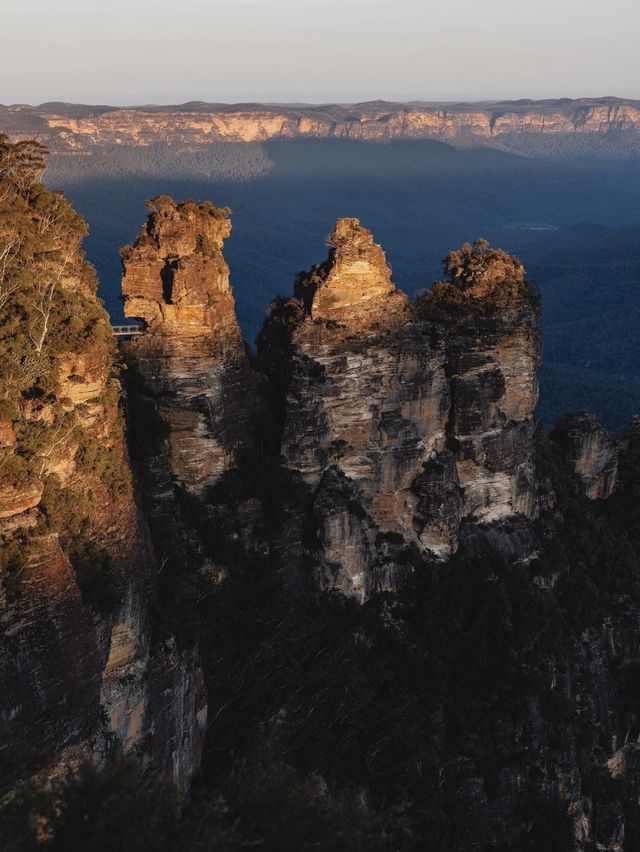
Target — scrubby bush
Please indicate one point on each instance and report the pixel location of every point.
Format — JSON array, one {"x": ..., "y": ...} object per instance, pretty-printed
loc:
[
  {"x": 13, "y": 560},
  {"x": 109, "y": 464}
]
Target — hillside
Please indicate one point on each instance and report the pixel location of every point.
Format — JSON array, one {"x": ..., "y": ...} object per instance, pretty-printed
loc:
[
  {"x": 603, "y": 126},
  {"x": 416, "y": 614}
]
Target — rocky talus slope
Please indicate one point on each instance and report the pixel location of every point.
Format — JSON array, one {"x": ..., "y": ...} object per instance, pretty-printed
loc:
[{"x": 79, "y": 673}]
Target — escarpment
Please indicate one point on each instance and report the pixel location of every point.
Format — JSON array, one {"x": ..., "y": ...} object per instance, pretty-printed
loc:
[
  {"x": 486, "y": 700},
  {"x": 80, "y": 675},
  {"x": 600, "y": 124},
  {"x": 400, "y": 454}
]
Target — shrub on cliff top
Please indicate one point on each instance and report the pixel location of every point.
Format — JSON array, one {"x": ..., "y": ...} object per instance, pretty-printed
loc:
[
  {"x": 41, "y": 315},
  {"x": 469, "y": 264},
  {"x": 165, "y": 203}
]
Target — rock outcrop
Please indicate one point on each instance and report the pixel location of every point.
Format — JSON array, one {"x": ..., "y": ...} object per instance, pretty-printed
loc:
[
  {"x": 488, "y": 702},
  {"x": 587, "y": 446},
  {"x": 192, "y": 357},
  {"x": 399, "y": 420},
  {"x": 492, "y": 343}
]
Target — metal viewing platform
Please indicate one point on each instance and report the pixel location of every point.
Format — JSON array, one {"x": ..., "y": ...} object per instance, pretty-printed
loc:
[{"x": 127, "y": 330}]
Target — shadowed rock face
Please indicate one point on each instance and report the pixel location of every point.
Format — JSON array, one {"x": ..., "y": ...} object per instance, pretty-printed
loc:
[
  {"x": 492, "y": 342},
  {"x": 403, "y": 420},
  {"x": 589, "y": 449},
  {"x": 192, "y": 357},
  {"x": 396, "y": 422}
]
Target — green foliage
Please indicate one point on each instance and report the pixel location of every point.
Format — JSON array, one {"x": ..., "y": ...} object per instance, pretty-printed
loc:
[
  {"x": 109, "y": 464},
  {"x": 13, "y": 560},
  {"x": 467, "y": 265},
  {"x": 17, "y": 470},
  {"x": 18, "y": 760},
  {"x": 105, "y": 811},
  {"x": 9, "y": 409},
  {"x": 163, "y": 204},
  {"x": 67, "y": 512},
  {"x": 266, "y": 804},
  {"x": 95, "y": 573},
  {"x": 41, "y": 316}
]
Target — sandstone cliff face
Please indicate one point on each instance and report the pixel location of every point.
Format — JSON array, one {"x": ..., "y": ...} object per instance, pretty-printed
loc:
[
  {"x": 504, "y": 124},
  {"x": 401, "y": 420},
  {"x": 192, "y": 357},
  {"x": 493, "y": 351},
  {"x": 593, "y": 455},
  {"x": 77, "y": 665}
]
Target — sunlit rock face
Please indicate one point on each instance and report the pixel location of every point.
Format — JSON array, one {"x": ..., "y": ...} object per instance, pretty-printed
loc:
[
  {"x": 403, "y": 420},
  {"x": 80, "y": 676},
  {"x": 610, "y": 123},
  {"x": 587, "y": 446},
  {"x": 365, "y": 403},
  {"x": 192, "y": 357}
]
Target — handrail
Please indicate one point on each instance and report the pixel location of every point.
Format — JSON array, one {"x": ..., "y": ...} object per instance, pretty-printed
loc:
[{"x": 126, "y": 330}]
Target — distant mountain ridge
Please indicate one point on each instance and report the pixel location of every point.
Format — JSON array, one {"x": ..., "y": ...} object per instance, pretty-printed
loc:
[{"x": 605, "y": 125}]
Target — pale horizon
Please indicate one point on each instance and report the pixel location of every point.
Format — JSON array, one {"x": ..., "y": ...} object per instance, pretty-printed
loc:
[
  {"x": 138, "y": 52},
  {"x": 328, "y": 103}
]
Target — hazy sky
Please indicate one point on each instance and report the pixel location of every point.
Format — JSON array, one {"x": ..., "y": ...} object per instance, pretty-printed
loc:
[{"x": 169, "y": 51}]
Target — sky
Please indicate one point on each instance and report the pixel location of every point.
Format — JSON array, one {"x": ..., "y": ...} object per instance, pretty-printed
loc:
[{"x": 172, "y": 51}]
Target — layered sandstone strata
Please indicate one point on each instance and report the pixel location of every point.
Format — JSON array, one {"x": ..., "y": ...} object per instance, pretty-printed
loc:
[
  {"x": 497, "y": 124},
  {"x": 79, "y": 671},
  {"x": 489, "y": 317},
  {"x": 191, "y": 357},
  {"x": 588, "y": 447},
  {"x": 402, "y": 421}
]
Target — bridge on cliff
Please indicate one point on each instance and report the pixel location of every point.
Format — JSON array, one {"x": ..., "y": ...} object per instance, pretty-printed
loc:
[{"x": 122, "y": 331}]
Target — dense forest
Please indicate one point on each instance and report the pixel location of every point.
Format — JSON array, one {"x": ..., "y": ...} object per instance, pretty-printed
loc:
[{"x": 344, "y": 727}]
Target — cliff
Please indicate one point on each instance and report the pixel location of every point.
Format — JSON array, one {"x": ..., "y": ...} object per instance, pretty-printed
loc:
[
  {"x": 493, "y": 350},
  {"x": 591, "y": 452},
  {"x": 402, "y": 421},
  {"x": 605, "y": 125},
  {"x": 80, "y": 674},
  {"x": 419, "y": 616},
  {"x": 192, "y": 357}
]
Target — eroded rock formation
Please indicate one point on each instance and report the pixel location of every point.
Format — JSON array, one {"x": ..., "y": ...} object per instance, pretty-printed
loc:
[
  {"x": 398, "y": 436},
  {"x": 404, "y": 420},
  {"x": 192, "y": 357},
  {"x": 79, "y": 673},
  {"x": 492, "y": 344}
]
